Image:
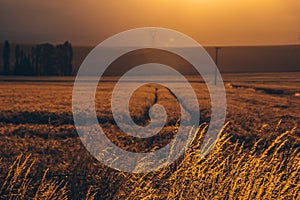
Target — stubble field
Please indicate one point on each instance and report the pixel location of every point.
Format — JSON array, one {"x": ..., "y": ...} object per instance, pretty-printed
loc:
[{"x": 257, "y": 156}]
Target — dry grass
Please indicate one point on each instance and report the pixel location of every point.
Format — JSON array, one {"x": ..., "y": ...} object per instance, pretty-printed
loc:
[
  {"x": 19, "y": 184},
  {"x": 230, "y": 171},
  {"x": 254, "y": 159}
]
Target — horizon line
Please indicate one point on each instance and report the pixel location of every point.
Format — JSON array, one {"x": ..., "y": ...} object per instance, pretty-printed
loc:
[{"x": 207, "y": 45}]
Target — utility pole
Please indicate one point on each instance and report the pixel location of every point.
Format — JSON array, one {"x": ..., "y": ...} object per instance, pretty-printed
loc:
[{"x": 217, "y": 57}]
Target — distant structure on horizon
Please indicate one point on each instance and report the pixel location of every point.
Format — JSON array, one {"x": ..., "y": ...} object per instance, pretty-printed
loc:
[{"x": 43, "y": 60}]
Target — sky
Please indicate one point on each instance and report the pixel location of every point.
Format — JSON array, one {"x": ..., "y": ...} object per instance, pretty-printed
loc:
[{"x": 210, "y": 22}]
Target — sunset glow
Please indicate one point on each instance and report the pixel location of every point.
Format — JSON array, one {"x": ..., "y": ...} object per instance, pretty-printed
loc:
[{"x": 230, "y": 22}]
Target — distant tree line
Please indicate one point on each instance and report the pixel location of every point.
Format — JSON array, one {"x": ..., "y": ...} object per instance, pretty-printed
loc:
[{"x": 43, "y": 60}]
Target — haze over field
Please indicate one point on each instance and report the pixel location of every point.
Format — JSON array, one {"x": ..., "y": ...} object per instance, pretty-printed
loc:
[
  {"x": 231, "y": 59},
  {"x": 232, "y": 23}
]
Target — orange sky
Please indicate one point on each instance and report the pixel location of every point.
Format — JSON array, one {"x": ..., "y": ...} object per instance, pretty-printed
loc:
[{"x": 210, "y": 22}]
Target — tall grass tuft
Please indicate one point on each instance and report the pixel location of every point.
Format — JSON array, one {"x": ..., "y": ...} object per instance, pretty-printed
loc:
[
  {"x": 22, "y": 183},
  {"x": 233, "y": 170},
  {"x": 230, "y": 171}
]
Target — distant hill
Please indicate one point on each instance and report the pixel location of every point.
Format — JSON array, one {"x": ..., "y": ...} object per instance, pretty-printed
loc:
[
  {"x": 259, "y": 58},
  {"x": 231, "y": 59},
  {"x": 284, "y": 58}
]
